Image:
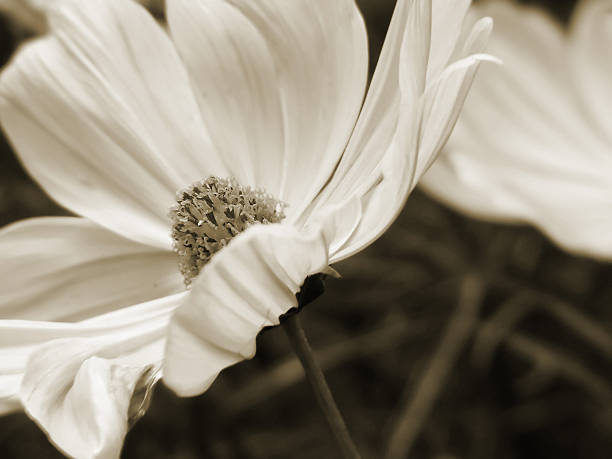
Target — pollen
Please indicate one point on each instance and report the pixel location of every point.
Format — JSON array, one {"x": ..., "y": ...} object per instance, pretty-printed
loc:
[{"x": 209, "y": 213}]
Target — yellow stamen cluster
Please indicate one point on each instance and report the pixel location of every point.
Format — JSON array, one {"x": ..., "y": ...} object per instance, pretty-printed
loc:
[{"x": 209, "y": 213}]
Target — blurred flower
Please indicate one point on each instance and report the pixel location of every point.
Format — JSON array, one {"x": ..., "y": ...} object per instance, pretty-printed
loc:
[
  {"x": 534, "y": 143},
  {"x": 258, "y": 120}
]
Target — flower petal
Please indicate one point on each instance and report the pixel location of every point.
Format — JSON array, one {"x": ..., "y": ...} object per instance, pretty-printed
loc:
[
  {"x": 280, "y": 84},
  {"x": 420, "y": 40},
  {"x": 424, "y": 70},
  {"x": 78, "y": 380},
  {"x": 399, "y": 173},
  {"x": 9, "y": 393},
  {"x": 379, "y": 116},
  {"x": 442, "y": 103},
  {"x": 102, "y": 115},
  {"x": 247, "y": 286},
  {"x": 70, "y": 268},
  {"x": 590, "y": 56},
  {"x": 446, "y": 27},
  {"x": 523, "y": 149},
  {"x": 425, "y": 107}
]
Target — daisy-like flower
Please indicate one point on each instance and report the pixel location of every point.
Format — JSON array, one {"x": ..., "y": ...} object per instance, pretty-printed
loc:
[
  {"x": 534, "y": 142},
  {"x": 214, "y": 170}
]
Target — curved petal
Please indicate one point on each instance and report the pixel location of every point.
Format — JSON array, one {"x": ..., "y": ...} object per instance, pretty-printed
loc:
[
  {"x": 573, "y": 213},
  {"x": 426, "y": 111},
  {"x": 339, "y": 223},
  {"x": 420, "y": 40},
  {"x": 102, "y": 115},
  {"x": 523, "y": 149},
  {"x": 246, "y": 286},
  {"x": 280, "y": 84},
  {"x": 9, "y": 393},
  {"x": 70, "y": 268},
  {"x": 79, "y": 381}
]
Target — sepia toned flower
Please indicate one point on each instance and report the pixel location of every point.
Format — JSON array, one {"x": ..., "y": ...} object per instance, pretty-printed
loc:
[
  {"x": 534, "y": 141},
  {"x": 213, "y": 171}
]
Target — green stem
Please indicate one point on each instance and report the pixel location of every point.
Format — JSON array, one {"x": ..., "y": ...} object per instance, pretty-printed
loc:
[{"x": 315, "y": 377}]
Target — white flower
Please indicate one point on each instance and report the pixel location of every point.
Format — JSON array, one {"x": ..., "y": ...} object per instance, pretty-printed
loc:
[
  {"x": 534, "y": 143},
  {"x": 108, "y": 118}
]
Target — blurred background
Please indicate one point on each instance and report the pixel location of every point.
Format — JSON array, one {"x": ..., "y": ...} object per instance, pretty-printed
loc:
[{"x": 519, "y": 368}]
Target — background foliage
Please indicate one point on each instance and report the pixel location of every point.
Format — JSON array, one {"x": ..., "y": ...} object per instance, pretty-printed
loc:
[{"x": 523, "y": 373}]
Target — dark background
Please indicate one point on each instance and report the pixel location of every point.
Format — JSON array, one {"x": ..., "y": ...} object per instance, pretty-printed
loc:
[{"x": 525, "y": 374}]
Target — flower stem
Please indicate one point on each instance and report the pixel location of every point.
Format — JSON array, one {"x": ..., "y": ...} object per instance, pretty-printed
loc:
[{"x": 295, "y": 332}]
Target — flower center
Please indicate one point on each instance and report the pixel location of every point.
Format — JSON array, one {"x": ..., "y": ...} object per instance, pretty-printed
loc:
[{"x": 209, "y": 213}]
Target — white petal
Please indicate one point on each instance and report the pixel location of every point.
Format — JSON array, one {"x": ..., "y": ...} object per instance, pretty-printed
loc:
[
  {"x": 77, "y": 380},
  {"x": 399, "y": 173},
  {"x": 420, "y": 40},
  {"x": 280, "y": 84},
  {"x": 245, "y": 287},
  {"x": 378, "y": 119},
  {"x": 590, "y": 60},
  {"x": 447, "y": 24},
  {"x": 426, "y": 106},
  {"x": 442, "y": 104},
  {"x": 572, "y": 210},
  {"x": 358, "y": 169},
  {"x": 9, "y": 393},
  {"x": 102, "y": 115},
  {"x": 523, "y": 149},
  {"x": 380, "y": 201},
  {"x": 70, "y": 268},
  {"x": 410, "y": 108},
  {"x": 339, "y": 223}
]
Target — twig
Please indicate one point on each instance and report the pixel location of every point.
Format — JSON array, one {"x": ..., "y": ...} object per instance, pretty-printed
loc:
[
  {"x": 290, "y": 372},
  {"x": 417, "y": 408},
  {"x": 580, "y": 324},
  {"x": 553, "y": 361},
  {"x": 492, "y": 332},
  {"x": 315, "y": 377},
  {"x": 533, "y": 415},
  {"x": 439, "y": 253},
  {"x": 498, "y": 330},
  {"x": 567, "y": 314}
]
